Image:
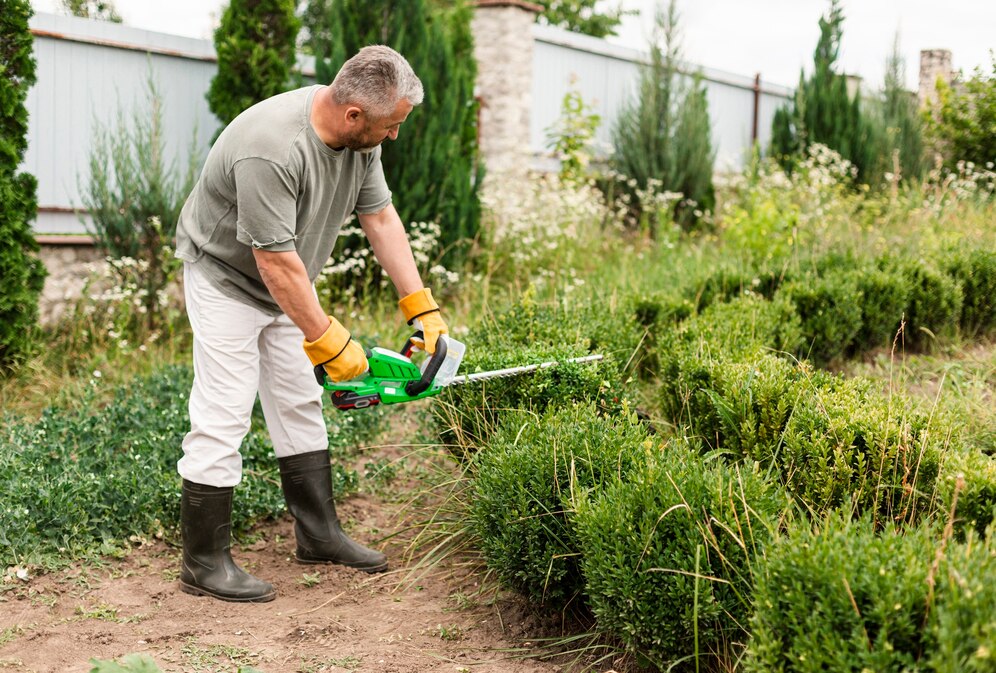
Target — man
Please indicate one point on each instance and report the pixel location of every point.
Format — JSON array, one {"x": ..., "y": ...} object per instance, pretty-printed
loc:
[{"x": 254, "y": 233}]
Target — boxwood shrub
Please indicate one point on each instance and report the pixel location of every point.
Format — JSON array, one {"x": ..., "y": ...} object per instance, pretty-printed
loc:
[
  {"x": 526, "y": 478},
  {"x": 884, "y": 297},
  {"x": 974, "y": 269},
  {"x": 843, "y": 596},
  {"x": 829, "y": 308},
  {"x": 669, "y": 556},
  {"x": 935, "y": 301}
]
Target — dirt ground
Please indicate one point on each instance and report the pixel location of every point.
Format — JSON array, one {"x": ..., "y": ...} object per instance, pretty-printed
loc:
[{"x": 324, "y": 619}]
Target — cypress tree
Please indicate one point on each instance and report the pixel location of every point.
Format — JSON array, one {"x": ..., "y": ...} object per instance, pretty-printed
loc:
[
  {"x": 21, "y": 272},
  {"x": 902, "y": 126},
  {"x": 433, "y": 167},
  {"x": 255, "y": 43},
  {"x": 822, "y": 111},
  {"x": 665, "y": 133}
]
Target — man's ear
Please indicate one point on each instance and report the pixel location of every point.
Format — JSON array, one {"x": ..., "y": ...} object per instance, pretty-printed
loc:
[{"x": 354, "y": 115}]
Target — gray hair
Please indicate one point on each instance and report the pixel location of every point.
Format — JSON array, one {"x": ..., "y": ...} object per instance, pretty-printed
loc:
[{"x": 375, "y": 79}]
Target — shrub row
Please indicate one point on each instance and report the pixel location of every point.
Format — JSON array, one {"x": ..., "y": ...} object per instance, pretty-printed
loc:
[
  {"x": 834, "y": 442},
  {"x": 848, "y": 596},
  {"x": 848, "y": 304},
  {"x": 577, "y": 509},
  {"x": 78, "y": 482}
]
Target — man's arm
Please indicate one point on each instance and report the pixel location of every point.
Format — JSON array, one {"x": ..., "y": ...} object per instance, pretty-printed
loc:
[
  {"x": 286, "y": 278},
  {"x": 390, "y": 244}
]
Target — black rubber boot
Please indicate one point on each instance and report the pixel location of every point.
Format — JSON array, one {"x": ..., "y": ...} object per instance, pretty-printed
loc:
[
  {"x": 208, "y": 568},
  {"x": 307, "y": 483}
]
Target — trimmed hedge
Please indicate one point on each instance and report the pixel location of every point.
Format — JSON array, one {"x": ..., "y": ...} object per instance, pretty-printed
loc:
[
  {"x": 846, "y": 597},
  {"x": 670, "y": 555},
  {"x": 830, "y": 308},
  {"x": 974, "y": 269},
  {"x": 528, "y": 475}
]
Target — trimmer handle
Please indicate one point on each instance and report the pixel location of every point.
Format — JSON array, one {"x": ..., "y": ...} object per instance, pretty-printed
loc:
[{"x": 432, "y": 367}]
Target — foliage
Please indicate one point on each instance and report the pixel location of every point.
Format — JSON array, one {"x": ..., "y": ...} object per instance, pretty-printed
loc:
[
  {"x": 842, "y": 597},
  {"x": 903, "y": 149},
  {"x": 590, "y": 17},
  {"x": 528, "y": 475},
  {"x": 974, "y": 270},
  {"x": 822, "y": 111},
  {"x": 963, "y": 128},
  {"x": 21, "y": 272},
  {"x": 89, "y": 481},
  {"x": 131, "y": 663},
  {"x": 670, "y": 555},
  {"x": 571, "y": 136},
  {"x": 133, "y": 196},
  {"x": 664, "y": 134},
  {"x": 102, "y": 10},
  {"x": 934, "y": 306},
  {"x": 830, "y": 311},
  {"x": 435, "y": 166},
  {"x": 255, "y": 43}
]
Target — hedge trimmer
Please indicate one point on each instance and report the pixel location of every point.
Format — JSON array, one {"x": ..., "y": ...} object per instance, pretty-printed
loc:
[{"x": 394, "y": 378}]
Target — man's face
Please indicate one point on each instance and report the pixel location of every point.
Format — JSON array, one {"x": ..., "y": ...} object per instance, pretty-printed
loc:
[{"x": 377, "y": 130}]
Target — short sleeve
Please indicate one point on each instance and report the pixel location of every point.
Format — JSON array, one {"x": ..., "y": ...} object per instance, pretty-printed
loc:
[
  {"x": 374, "y": 195},
  {"x": 266, "y": 197}
]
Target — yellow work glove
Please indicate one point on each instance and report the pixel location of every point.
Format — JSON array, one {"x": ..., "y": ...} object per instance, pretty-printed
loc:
[
  {"x": 422, "y": 313},
  {"x": 342, "y": 358}
]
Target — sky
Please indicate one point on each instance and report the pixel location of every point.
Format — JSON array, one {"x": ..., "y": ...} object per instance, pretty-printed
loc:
[{"x": 773, "y": 37}]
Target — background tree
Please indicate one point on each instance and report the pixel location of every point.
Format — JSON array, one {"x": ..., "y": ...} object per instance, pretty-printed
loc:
[
  {"x": 433, "y": 168},
  {"x": 664, "y": 135},
  {"x": 902, "y": 128},
  {"x": 21, "y": 272},
  {"x": 964, "y": 128},
  {"x": 103, "y": 10},
  {"x": 822, "y": 111},
  {"x": 256, "y": 44},
  {"x": 590, "y": 17}
]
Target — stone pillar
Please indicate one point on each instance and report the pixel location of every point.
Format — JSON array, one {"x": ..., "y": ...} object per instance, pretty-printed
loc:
[
  {"x": 934, "y": 63},
  {"x": 503, "y": 47},
  {"x": 68, "y": 260}
]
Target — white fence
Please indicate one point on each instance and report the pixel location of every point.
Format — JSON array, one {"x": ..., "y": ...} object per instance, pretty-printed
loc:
[{"x": 89, "y": 72}]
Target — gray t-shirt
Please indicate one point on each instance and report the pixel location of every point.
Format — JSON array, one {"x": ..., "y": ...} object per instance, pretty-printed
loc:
[{"x": 269, "y": 182}]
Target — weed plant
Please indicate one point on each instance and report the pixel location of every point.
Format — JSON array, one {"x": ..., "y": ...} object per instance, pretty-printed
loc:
[{"x": 85, "y": 482}]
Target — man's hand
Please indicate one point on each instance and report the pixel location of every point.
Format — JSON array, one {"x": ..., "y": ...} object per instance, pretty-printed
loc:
[
  {"x": 342, "y": 358},
  {"x": 422, "y": 312}
]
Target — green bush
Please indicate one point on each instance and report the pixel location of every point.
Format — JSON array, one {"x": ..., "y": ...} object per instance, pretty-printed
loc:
[
  {"x": 830, "y": 310},
  {"x": 690, "y": 355},
  {"x": 972, "y": 475},
  {"x": 669, "y": 556},
  {"x": 528, "y": 333},
  {"x": 22, "y": 274},
  {"x": 974, "y": 269},
  {"x": 526, "y": 478},
  {"x": 846, "y": 445},
  {"x": 843, "y": 597},
  {"x": 962, "y": 627},
  {"x": 83, "y": 480},
  {"x": 884, "y": 297},
  {"x": 934, "y": 304}
]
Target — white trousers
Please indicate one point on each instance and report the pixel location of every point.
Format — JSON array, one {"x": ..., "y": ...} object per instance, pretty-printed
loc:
[{"x": 239, "y": 351}]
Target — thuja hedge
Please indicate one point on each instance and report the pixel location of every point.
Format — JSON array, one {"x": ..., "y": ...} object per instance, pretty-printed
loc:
[
  {"x": 849, "y": 596},
  {"x": 81, "y": 480}
]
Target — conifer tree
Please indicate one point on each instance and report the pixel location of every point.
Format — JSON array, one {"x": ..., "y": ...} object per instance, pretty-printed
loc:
[
  {"x": 664, "y": 134},
  {"x": 903, "y": 142},
  {"x": 21, "y": 272},
  {"x": 822, "y": 111},
  {"x": 432, "y": 168},
  {"x": 256, "y": 45}
]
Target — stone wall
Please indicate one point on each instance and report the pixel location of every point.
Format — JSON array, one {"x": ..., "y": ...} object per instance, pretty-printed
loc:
[
  {"x": 503, "y": 47},
  {"x": 68, "y": 265},
  {"x": 934, "y": 64}
]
